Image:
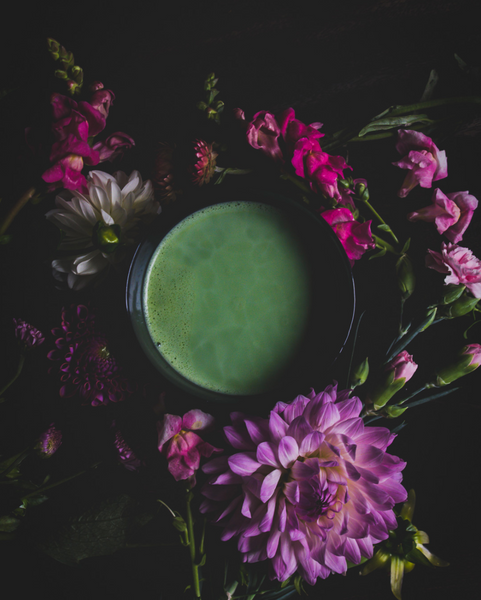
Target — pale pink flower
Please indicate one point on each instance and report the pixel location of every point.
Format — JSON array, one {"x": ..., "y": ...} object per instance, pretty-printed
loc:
[
  {"x": 402, "y": 367},
  {"x": 425, "y": 162},
  {"x": 460, "y": 266},
  {"x": 452, "y": 213},
  {"x": 182, "y": 447},
  {"x": 263, "y": 133},
  {"x": 355, "y": 237},
  {"x": 308, "y": 489}
]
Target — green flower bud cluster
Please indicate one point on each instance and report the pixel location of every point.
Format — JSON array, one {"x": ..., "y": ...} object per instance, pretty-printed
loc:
[
  {"x": 68, "y": 71},
  {"x": 211, "y": 108}
]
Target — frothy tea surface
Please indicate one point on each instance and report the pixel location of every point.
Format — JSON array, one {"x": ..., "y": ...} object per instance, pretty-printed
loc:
[{"x": 227, "y": 297}]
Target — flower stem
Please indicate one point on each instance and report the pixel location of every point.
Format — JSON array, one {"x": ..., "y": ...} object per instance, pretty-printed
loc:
[
  {"x": 301, "y": 185},
  {"x": 379, "y": 218},
  {"x": 17, "y": 373},
  {"x": 16, "y": 208},
  {"x": 190, "y": 529},
  {"x": 52, "y": 485}
]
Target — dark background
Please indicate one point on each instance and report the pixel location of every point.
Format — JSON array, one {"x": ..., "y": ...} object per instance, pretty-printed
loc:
[{"x": 342, "y": 63}]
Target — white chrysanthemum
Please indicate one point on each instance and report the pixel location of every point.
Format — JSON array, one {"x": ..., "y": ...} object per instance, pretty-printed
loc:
[{"x": 99, "y": 225}]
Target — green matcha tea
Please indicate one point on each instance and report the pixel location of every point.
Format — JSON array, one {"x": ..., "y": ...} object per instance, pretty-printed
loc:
[{"x": 227, "y": 297}]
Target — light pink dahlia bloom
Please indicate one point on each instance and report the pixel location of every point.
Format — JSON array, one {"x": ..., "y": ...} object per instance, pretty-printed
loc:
[{"x": 308, "y": 488}]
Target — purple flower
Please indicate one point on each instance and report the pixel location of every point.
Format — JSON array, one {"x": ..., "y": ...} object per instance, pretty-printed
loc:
[
  {"x": 127, "y": 456},
  {"x": 424, "y": 161},
  {"x": 113, "y": 147},
  {"x": 355, "y": 237},
  {"x": 181, "y": 446},
  {"x": 308, "y": 488},
  {"x": 87, "y": 369},
  {"x": 49, "y": 441},
  {"x": 28, "y": 335},
  {"x": 452, "y": 213}
]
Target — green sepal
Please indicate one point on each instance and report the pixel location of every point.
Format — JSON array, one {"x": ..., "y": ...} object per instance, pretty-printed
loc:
[{"x": 179, "y": 523}]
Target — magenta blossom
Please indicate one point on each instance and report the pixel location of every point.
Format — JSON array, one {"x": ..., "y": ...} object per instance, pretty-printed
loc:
[
  {"x": 460, "y": 266},
  {"x": 182, "y": 447},
  {"x": 262, "y": 134},
  {"x": 127, "y": 456},
  {"x": 49, "y": 441},
  {"x": 113, "y": 147},
  {"x": 309, "y": 488},
  {"x": 293, "y": 130},
  {"x": 27, "y": 335},
  {"x": 425, "y": 162},
  {"x": 355, "y": 237},
  {"x": 87, "y": 369},
  {"x": 452, "y": 213}
]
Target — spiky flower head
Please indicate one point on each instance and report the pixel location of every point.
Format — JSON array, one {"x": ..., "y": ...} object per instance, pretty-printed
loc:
[
  {"x": 204, "y": 168},
  {"x": 49, "y": 441},
  {"x": 309, "y": 488},
  {"x": 87, "y": 369},
  {"x": 27, "y": 335}
]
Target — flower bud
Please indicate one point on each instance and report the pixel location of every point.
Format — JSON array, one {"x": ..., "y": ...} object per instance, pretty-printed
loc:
[
  {"x": 53, "y": 48},
  {"x": 405, "y": 275},
  {"x": 399, "y": 371},
  {"x": 360, "y": 374},
  {"x": 469, "y": 359},
  {"x": 391, "y": 412},
  {"x": 344, "y": 183},
  {"x": 462, "y": 306},
  {"x": 365, "y": 195},
  {"x": 360, "y": 188}
]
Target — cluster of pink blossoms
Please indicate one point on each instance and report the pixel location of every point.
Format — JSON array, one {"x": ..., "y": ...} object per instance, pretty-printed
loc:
[
  {"x": 75, "y": 125},
  {"x": 323, "y": 171},
  {"x": 452, "y": 213},
  {"x": 309, "y": 488}
]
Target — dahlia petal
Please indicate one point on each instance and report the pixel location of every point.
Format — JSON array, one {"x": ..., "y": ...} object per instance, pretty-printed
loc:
[
  {"x": 288, "y": 554},
  {"x": 369, "y": 456},
  {"x": 243, "y": 463},
  {"x": 256, "y": 430},
  {"x": 273, "y": 542},
  {"x": 295, "y": 408},
  {"x": 267, "y": 521},
  {"x": 352, "y": 472},
  {"x": 238, "y": 439},
  {"x": 349, "y": 408},
  {"x": 307, "y": 469},
  {"x": 291, "y": 490},
  {"x": 249, "y": 502},
  {"x": 267, "y": 454},
  {"x": 227, "y": 478},
  {"x": 269, "y": 484},
  {"x": 277, "y": 426},
  {"x": 288, "y": 451},
  {"x": 299, "y": 429},
  {"x": 375, "y": 436}
]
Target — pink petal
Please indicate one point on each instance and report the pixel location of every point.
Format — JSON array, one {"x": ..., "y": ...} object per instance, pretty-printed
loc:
[
  {"x": 243, "y": 463},
  {"x": 267, "y": 454},
  {"x": 167, "y": 428},
  {"x": 197, "y": 420},
  {"x": 288, "y": 451},
  {"x": 269, "y": 484}
]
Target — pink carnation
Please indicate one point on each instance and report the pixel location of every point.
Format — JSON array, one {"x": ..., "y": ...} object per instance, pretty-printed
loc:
[
  {"x": 309, "y": 488},
  {"x": 460, "y": 266},
  {"x": 181, "y": 446},
  {"x": 402, "y": 366},
  {"x": 452, "y": 213},
  {"x": 355, "y": 237},
  {"x": 425, "y": 162}
]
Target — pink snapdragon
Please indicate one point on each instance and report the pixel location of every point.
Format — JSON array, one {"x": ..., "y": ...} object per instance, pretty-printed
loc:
[
  {"x": 355, "y": 237},
  {"x": 424, "y": 161},
  {"x": 460, "y": 266},
  {"x": 182, "y": 447},
  {"x": 293, "y": 130},
  {"x": 452, "y": 213},
  {"x": 263, "y": 133},
  {"x": 113, "y": 147}
]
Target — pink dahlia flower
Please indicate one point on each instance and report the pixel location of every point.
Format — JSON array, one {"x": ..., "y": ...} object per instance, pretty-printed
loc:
[
  {"x": 182, "y": 447},
  {"x": 28, "y": 335},
  {"x": 452, "y": 213},
  {"x": 263, "y": 133},
  {"x": 87, "y": 369},
  {"x": 425, "y": 162},
  {"x": 308, "y": 488},
  {"x": 355, "y": 237},
  {"x": 460, "y": 266}
]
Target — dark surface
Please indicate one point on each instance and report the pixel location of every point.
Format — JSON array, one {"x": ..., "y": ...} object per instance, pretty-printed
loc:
[{"x": 345, "y": 64}]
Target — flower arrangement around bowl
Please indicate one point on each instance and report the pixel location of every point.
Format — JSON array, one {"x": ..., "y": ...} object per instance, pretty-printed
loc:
[{"x": 309, "y": 488}]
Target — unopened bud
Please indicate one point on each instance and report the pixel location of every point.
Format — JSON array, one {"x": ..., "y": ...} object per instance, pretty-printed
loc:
[
  {"x": 469, "y": 359},
  {"x": 360, "y": 188},
  {"x": 53, "y": 48},
  {"x": 399, "y": 371},
  {"x": 452, "y": 293},
  {"x": 360, "y": 374},
  {"x": 405, "y": 275},
  {"x": 391, "y": 412},
  {"x": 61, "y": 74},
  {"x": 344, "y": 183}
]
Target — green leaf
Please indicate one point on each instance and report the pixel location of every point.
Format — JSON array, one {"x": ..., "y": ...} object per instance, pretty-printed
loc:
[
  {"x": 406, "y": 246},
  {"x": 381, "y": 252},
  {"x": 69, "y": 538},
  {"x": 384, "y": 227},
  {"x": 393, "y": 122},
  {"x": 8, "y": 523}
]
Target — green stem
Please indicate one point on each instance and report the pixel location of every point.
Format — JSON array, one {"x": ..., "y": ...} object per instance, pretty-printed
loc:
[
  {"x": 16, "y": 208},
  {"x": 17, "y": 373},
  {"x": 380, "y": 243},
  {"x": 190, "y": 529},
  {"x": 52, "y": 485},
  {"x": 379, "y": 218}
]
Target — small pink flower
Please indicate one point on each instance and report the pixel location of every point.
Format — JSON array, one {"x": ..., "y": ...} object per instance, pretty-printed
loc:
[
  {"x": 355, "y": 237},
  {"x": 452, "y": 213},
  {"x": 181, "y": 446},
  {"x": 425, "y": 162},
  {"x": 28, "y": 335},
  {"x": 402, "y": 366},
  {"x": 49, "y": 441},
  {"x": 67, "y": 173},
  {"x": 460, "y": 266},
  {"x": 102, "y": 99},
  {"x": 114, "y": 146},
  {"x": 293, "y": 130},
  {"x": 475, "y": 351},
  {"x": 262, "y": 134}
]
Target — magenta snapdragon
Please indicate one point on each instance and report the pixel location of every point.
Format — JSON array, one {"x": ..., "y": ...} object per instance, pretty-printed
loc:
[{"x": 355, "y": 237}]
